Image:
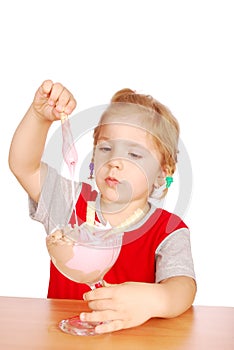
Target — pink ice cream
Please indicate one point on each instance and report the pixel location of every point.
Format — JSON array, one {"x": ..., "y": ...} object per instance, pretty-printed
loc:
[{"x": 84, "y": 262}]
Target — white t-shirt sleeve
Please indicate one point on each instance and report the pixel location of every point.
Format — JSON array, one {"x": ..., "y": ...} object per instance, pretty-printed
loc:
[
  {"x": 55, "y": 203},
  {"x": 174, "y": 257}
]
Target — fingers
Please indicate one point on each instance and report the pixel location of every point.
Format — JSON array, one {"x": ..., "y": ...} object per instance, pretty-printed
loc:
[
  {"x": 54, "y": 98},
  {"x": 55, "y": 94},
  {"x": 117, "y": 307},
  {"x": 108, "y": 327},
  {"x": 61, "y": 99},
  {"x": 99, "y": 293},
  {"x": 97, "y": 316},
  {"x": 107, "y": 320},
  {"x": 45, "y": 88},
  {"x": 103, "y": 304},
  {"x": 105, "y": 310}
]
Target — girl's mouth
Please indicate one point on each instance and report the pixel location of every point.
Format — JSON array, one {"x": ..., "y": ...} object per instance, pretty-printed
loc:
[{"x": 111, "y": 181}]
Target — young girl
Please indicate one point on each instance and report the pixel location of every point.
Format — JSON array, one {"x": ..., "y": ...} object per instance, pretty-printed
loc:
[{"x": 134, "y": 158}]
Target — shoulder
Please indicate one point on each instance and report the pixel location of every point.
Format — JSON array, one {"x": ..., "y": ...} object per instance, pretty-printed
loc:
[
  {"x": 165, "y": 221},
  {"x": 158, "y": 225},
  {"x": 174, "y": 256}
]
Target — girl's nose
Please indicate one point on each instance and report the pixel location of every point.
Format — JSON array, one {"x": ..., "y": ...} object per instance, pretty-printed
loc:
[{"x": 115, "y": 163}]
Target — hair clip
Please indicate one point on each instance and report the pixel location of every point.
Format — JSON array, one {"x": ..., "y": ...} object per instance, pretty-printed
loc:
[
  {"x": 91, "y": 169},
  {"x": 169, "y": 180}
]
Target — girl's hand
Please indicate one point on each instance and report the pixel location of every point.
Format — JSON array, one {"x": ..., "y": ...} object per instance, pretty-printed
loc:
[
  {"x": 132, "y": 303},
  {"x": 122, "y": 306},
  {"x": 52, "y": 99}
]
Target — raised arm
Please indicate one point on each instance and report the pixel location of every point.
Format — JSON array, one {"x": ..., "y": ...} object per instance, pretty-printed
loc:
[{"x": 51, "y": 99}]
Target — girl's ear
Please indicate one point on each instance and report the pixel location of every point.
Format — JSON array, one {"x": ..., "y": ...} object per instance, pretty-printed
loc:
[{"x": 160, "y": 179}]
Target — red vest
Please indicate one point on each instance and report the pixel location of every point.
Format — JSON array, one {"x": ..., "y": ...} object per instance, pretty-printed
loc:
[{"x": 136, "y": 261}]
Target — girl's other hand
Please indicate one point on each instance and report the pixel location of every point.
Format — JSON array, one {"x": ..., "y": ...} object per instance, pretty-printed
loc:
[
  {"x": 130, "y": 304},
  {"x": 51, "y": 100},
  {"x": 118, "y": 306}
]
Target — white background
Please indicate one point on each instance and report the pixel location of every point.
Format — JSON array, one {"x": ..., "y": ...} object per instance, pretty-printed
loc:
[{"x": 181, "y": 52}]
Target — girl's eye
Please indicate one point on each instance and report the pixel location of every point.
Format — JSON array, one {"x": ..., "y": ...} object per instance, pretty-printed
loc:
[
  {"x": 104, "y": 148},
  {"x": 135, "y": 155}
]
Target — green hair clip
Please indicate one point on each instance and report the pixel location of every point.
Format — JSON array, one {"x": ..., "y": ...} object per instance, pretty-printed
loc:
[{"x": 169, "y": 180}]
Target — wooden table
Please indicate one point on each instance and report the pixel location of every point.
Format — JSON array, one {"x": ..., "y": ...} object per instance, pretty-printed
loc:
[{"x": 27, "y": 323}]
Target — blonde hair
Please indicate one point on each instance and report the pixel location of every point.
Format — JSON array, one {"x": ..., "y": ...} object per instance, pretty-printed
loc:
[{"x": 158, "y": 120}]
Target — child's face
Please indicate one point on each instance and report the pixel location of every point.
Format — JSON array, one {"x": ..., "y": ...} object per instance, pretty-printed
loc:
[{"x": 126, "y": 164}]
